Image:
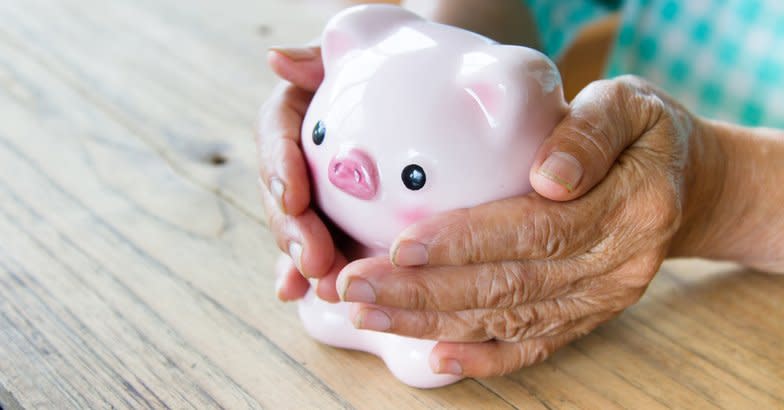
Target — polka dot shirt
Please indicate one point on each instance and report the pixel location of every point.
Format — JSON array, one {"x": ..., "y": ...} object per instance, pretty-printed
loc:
[{"x": 723, "y": 59}]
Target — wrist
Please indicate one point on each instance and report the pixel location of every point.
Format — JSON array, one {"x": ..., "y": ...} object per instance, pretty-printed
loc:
[
  {"x": 732, "y": 181},
  {"x": 704, "y": 172}
]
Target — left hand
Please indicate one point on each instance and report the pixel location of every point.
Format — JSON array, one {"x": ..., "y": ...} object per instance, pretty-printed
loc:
[{"x": 505, "y": 284}]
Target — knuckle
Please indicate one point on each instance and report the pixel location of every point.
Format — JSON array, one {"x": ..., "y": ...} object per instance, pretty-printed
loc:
[
  {"x": 429, "y": 326},
  {"x": 449, "y": 327},
  {"x": 510, "y": 325},
  {"x": 417, "y": 295},
  {"x": 552, "y": 317},
  {"x": 595, "y": 136},
  {"x": 637, "y": 100},
  {"x": 458, "y": 236},
  {"x": 547, "y": 232},
  {"x": 503, "y": 286},
  {"x": 473, "y": 235}
]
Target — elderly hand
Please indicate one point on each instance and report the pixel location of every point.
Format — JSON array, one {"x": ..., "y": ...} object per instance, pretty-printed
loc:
[
  {"x": 307, "y": 244},
  {"x": 505, "y": 284}
]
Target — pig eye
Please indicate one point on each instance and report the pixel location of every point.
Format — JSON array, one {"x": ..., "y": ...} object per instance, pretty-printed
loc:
[
  {"x": 319, "y": 133},
  {"x": 414, "y": 177}
]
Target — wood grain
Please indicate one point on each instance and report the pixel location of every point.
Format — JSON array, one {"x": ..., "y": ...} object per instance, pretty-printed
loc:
[{"x": 135, "y": 271}]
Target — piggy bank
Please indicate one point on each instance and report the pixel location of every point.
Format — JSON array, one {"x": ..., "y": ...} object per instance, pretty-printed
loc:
[{"x": 414, "y": 118}]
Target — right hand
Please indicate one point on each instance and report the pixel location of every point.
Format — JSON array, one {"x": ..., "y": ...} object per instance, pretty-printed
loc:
[{"x": 307, "y": 245}]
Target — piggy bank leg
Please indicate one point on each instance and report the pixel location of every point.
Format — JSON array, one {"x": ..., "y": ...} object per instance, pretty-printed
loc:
[{"x": 406, "y": 358}]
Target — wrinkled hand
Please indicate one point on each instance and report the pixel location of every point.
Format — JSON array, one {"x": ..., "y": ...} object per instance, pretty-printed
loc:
[
  {"x": 305, "y": 241},
  {"x": 505, "y": 284}
]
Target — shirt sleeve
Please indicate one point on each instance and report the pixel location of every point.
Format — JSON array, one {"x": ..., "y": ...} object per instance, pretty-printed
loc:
[{"x": 559, "y": 21}]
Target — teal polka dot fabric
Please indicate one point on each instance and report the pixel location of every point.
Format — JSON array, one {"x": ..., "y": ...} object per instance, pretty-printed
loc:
[
  {"x": 723, "y": 59},
  {"x": 559, "y": 21}
]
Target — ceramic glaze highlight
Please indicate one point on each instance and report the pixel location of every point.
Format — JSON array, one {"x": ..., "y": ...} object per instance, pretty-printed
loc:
[{"x": 415, "y": 118}]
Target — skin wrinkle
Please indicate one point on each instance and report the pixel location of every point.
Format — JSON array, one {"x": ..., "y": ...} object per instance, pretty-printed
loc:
[
  {"x": 648, "y": 202},
  {"x": 698, "y": 150},
  {"x": 655, "y": 222},
  {"x": 501, "y": 287},
  {"x": 529, "y": 319},
  {"x": 523, "y": 233},
  {"x": 588, "y": 138},
  {"x": 545, "y": 233},
  {"x": 482, "y": 279},
  {"x": 419, "y": 300},
  {"x": 749, "y": 213},
  {"x": 474, "y": 239}
]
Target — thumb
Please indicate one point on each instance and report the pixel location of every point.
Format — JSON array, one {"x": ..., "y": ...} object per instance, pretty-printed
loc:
[
  {"x": 301, "y": 66},
  {"x": 603, "y": 120}
]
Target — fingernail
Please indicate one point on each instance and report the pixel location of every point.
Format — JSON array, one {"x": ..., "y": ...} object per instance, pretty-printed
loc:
[
  {"x": 358, "y": 290},
  {"x": 295, "y": 251},
  {"x": 410, "y": 254},
  {"x": 450, "y": 366},
  {"x": 372, "y": 319},
  {"x": 277, "y": 189},
  {"x": 563, "y": 169},
  {"x": 297, "y": 53}
]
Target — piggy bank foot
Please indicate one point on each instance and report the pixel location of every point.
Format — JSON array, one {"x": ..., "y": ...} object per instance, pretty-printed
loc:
[{"x": 406, "y": 358}]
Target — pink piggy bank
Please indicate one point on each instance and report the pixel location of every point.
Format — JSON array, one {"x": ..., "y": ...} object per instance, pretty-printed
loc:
[{"x": 415, "y": 118}]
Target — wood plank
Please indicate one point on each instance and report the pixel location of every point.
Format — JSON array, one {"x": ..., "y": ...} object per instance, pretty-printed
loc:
[
  {"x": 148, "y": 233},
  {"x": 136, "y": 273},
  {"x": 88, "y": 280},
  {"x": 215, "y": 103}
]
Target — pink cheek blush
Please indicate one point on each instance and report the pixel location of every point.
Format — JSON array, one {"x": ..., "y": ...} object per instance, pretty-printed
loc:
[
  {"x": 410, "y": 216},
  {"x": 494, "y": 105}
]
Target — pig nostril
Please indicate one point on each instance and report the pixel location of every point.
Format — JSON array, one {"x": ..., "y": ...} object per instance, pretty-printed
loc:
[{"x": 354, "y": 173}]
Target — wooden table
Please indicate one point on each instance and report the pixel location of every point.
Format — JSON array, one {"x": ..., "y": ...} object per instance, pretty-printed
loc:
[{"x": 135, "y": 266}]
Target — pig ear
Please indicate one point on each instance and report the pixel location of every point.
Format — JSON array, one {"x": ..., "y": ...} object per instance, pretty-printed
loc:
[
  {"x": 502, "y": 81},
  {"x": 490, "y": 98},
  {"x": 360, "y": 27}
]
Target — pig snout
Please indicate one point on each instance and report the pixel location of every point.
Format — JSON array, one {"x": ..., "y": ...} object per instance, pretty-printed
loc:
[{"x": 354, "y": 173}]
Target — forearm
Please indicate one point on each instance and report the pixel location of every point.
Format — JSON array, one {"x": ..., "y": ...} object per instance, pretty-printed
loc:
[
  {"x": 506, "y": 21},
  {"x": 735, "y": 209}
]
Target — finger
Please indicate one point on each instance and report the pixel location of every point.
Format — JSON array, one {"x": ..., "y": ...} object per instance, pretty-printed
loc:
[
  {"x": 302, "y": 66},
  {"x": 496, "y": 358},
  {"x": 283, "y": 169},
  {"x": 528, "y": 227},
  {"x": 496, "y": 285},
  {"x": 304, "y": 238},
  {"x": 290, "y": 285},
  {"x": 547, "y": 318},
  {"x": 492, "y": 358},
  {"x": 326, "y": 288},
  {"x": 603, "y": 120}
]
